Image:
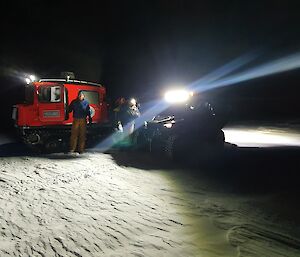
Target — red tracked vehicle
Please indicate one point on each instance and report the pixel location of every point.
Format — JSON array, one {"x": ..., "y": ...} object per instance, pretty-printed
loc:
[{"x": 43, "y": 120}]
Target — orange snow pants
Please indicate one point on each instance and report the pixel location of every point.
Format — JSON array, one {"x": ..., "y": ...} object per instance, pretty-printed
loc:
[{"x": 78, "y": 135}]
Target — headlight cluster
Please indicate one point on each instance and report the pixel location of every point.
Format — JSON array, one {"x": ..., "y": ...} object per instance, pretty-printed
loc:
[
  {"x": 178, "y": 96},
  {"x": 30, "y": 79}
]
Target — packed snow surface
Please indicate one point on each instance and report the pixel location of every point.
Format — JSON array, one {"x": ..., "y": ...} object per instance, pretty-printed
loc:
[{"x": 101, "y": 205}]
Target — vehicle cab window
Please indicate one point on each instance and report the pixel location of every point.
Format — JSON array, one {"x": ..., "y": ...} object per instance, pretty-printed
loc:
[
  {"x": 91, "y": 96},
  {"x": 50, "y": 94}
]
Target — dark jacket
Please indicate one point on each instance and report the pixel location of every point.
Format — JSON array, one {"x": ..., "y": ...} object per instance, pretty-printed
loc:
[
  {"x": 80, "y": 109},
  {"x": 128, "y": 114}
]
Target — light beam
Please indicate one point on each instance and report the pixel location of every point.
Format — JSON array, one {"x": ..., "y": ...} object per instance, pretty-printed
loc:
[
  {"x": 288, "y": 63},
  {"x": 160, "y": 105}
]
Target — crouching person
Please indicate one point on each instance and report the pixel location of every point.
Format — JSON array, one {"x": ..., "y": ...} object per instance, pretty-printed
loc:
[{"x": 81, "y": 110}]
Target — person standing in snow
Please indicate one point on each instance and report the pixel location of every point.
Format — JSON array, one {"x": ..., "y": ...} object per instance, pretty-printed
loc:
[{"x": 81, "y": 110}]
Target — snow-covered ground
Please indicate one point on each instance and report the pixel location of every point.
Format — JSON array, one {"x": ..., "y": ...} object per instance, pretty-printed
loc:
[
  {"x": 133, "y": 204},
  {"x": 263, "y": 136}
]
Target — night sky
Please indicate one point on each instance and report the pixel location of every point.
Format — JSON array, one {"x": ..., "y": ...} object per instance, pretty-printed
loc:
[{"x": 135, "y": 48}]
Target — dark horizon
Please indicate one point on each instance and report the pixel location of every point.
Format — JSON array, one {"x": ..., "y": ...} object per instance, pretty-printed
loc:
[{"x": 138, "y": 48}]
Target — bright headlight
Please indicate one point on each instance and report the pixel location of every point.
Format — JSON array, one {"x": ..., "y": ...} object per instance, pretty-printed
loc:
[
  {"x": 132, "y": 101},
  {"x": 27, "y": 80},
  {"x": 177, "y": 96},
  {"x": 32, "y": 78}
]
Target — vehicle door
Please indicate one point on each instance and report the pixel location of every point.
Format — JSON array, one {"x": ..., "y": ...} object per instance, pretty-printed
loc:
[{"x": 51, "y": 102}]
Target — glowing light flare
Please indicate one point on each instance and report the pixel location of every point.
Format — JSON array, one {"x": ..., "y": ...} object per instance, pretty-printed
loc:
[
  {"x": 32, "y": 78},
  {"x": 132, "y": 101},
  {"x": 177, "y": 96}
]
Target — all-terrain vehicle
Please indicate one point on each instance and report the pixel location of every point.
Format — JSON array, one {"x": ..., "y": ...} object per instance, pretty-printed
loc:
[
  {"x": 43, "y": 120},
  {"x": 190, "y": 130}
]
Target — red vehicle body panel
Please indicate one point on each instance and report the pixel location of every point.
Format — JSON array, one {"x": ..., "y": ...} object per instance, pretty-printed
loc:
[{"x": 41, "y": 114}]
